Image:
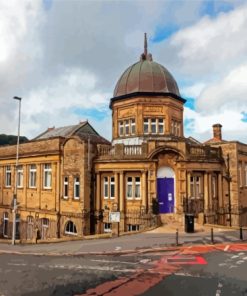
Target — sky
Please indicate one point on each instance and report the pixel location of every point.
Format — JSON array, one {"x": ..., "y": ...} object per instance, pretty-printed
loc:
[{"x": 64, "y": 57}]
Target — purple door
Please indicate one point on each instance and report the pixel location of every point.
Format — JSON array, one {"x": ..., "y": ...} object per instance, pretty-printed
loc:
[{"x": 165, "y": 188}]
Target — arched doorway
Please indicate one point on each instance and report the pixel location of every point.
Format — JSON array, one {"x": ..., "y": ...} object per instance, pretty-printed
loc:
[{"x": 166, "y": 189}]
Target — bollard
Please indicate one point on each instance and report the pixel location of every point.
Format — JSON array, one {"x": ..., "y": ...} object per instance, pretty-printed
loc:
[
  {"x": 176, "y": 237},
  {"x": 241, "y": 233},
  {"x": 212, "y": 236}
]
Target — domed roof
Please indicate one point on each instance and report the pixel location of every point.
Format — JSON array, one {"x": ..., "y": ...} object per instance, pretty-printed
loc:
[{"x": 146, "y": 76}]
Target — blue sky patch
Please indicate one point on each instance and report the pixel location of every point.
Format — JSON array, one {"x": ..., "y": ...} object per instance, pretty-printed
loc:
[
  {"x": 164, "y": 32},
  {"x": 47, "y": 4},
  {"x": 91, "y": 113},
  {"x": 189, "y": 124},
  {"x": 190, "y": 103},
  {"x": 213, "y": 8},
  {"x": 244, "y": 118}
]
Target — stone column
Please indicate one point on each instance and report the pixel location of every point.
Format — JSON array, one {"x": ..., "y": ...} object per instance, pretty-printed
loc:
[
  {"x": 98, "y": 192},
  {"x": 188, "y": 184},
  {"x": 144, "y": 190},
  {"x": 205, "y": 191},
  {"x": 210, "y": 195},
  {"x": 220, "y": 192},
  {"x": 117, "y": 200},
  {"x": 121, "y": 192}
]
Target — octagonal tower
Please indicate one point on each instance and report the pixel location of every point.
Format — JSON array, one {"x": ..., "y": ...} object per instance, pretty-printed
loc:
[{"x": 146, "y": 103}]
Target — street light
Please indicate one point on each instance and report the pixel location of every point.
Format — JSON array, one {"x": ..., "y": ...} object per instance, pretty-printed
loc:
[
  {"x": 229, "y": 179},
  {"x": 16, "y": 166}
]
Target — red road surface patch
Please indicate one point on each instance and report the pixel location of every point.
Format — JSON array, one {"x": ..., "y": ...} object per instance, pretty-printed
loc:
[{"x": 181, "y": 260}]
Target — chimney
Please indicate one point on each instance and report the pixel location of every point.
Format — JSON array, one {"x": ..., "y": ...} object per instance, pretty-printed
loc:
[
  {"x": 217, "y": 131},
  {"x": 51, "y": 128}
]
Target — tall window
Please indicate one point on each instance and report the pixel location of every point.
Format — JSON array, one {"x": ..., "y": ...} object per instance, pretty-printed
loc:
[
  {"x": 133, "y": 126},
  {"x": 106, "y": 188},
  {"x": 76, "y": 188},
  {"x": 161, "y": 126},
  {"x": 32, "y": 176},
  {"x": 153, "y": 126},
  {"x": 112, "y": 187},
  {"x": 129, "y": 188},
  {"x": 109, "y": 187},
  {"x": 127, "y": 127},
  {"x": 8, "y": 176},
  {"x": 133, "y": 188},
  {"x": 195, "y": 188},
  {"x": 121, "y": 128},
  {"x": 20, "y": 176},
  {"x": 47, "y": 176},
  {"x": 137, "y": 187},
  {"x": 65, "y": 187},
  {"x": 145, "y": 126}
]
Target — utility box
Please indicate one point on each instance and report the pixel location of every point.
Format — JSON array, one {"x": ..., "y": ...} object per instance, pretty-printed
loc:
[{"x": 189, "y": 223}]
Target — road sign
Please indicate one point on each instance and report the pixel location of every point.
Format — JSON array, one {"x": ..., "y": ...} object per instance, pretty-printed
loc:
[{"x": 114, "y": 217}]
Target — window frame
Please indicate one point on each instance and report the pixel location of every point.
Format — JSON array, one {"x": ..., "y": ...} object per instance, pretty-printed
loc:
[
  {"x": 73, "y": 227},
  {"x": 112, "y": 186},
  {"x": 19, "y": 173},
  {"x": 47, "y": 171},
  {"x": 76, "y": 186},
  {"x": 32, "y": 174},
  {"x": 131, "y": 186},
  {"x": 65, "y": 187},
  {"x": 195, "y": 186},
  {"x": 8, "y": 173},
  {"x": 107, "y": 229}
]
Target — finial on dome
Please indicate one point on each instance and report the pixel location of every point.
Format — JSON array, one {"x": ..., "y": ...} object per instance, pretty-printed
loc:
[
  {"x": 145, "y": 45},
  {"x": 145, "y": 55}
]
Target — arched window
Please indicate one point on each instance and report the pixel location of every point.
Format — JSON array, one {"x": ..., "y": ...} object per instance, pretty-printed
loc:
[{"x": 70, "y": 228}]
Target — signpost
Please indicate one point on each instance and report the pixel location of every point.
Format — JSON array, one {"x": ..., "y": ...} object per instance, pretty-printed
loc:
[{"x": 114, "y": 217}]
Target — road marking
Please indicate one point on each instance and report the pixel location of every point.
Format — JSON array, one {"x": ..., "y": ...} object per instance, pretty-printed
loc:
[
  {"x": 85, "y": 267},
  {"x": 111, "y": 261},
  {"x": 145, "y": 261},
  {"x": 185, "y": 260},
  {"x": 222, "y": 264},
  {"x": 232, "y": 266},
  {"x": 241, "y": 254},
  {"x": 118, "y": 248},
  {"x": 17, "y": 264},
  {"x": 240, "y": 262},
  {"x": 245, "y": 258},
  {"x": 235, "y": 256},
  {"x": 187, "y": 274},
  {"x": 226, "y": 248}
]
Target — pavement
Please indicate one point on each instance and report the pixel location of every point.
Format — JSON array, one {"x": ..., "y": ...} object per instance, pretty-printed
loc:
[{"x": 162, "y": 238}]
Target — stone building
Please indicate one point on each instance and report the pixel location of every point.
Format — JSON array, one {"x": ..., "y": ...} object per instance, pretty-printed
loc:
[
  {"x": 71, "y": 181},
  {"x": 53, "y": 182}
]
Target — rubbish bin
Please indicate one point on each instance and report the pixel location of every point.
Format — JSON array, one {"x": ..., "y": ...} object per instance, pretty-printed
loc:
[{"x": 189, "y": 223}]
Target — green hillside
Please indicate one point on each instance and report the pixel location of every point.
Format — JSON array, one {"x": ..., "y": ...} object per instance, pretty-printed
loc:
[{"x": 11, "y": 140}]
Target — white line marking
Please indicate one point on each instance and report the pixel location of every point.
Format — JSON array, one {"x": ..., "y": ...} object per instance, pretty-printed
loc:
[
  {"x": 17, "y": 264},
  {"x": 235, "y": 256},
  {"x": 241, "y": 254},
  {"x": 232, "y": 266},
  {"x": 240, "y": 262},
  {"x": 226, "y": 248},
  {"x": 118, "y": 248},
  {"x": 222, "y": 264},
  {"x": 245, "y": 258},
  {"x": 110, "y": 261}
]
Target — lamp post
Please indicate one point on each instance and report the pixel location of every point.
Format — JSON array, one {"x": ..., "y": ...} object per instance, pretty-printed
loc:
[
  {"x": 16, "y": 167},
  {"x": 229, "y": 179}
]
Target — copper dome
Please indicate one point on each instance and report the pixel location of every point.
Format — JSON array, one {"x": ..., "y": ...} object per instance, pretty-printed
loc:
[{"x": 146, "y": 76}]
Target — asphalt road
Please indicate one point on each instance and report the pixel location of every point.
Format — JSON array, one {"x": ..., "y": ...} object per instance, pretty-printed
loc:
[{"x": 217, "y": 273}]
